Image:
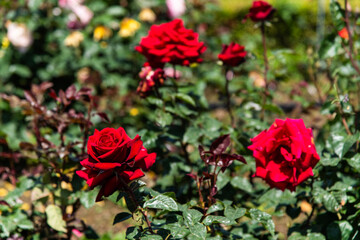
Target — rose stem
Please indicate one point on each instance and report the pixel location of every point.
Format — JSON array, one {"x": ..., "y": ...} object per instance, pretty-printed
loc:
[
  {"x": 343, "y": 119},
  {"x": 133, "y": 198},
  {"x": 351, "y": 46},
  {"x": 262, "y": 115},
  {"x": 313, "y": 78},
  {"x": 157, "y": 92},
  {"x": 350, "y": 52},
  {"x": 201, "y": 199},
  {"x": 175, "y": 78},
  {"x": 86, "y": 129},
  {"x": 313, "y": 207},
  {"x": 228, "y": 101}
]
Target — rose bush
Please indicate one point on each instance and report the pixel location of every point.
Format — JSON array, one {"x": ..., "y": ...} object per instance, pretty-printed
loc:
[
  {"x": 232, "y": 54},
  {"x": 114, "y": 160},
  {"x": 285, "y": 154},
  {"x": 171, "y": 43},
  {"x": 260, "y": 11}
]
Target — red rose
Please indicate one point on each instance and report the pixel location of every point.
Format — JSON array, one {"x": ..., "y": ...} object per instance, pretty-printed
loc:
[
  {"x": 171, "y": 43},
  {"x": 232, "y": 55},
  {"x": 260, "y": 11},
  {"x": 285, "y": 154},
  {"x": 149, "y": 78},
  {"x": 114, "y": 160}
]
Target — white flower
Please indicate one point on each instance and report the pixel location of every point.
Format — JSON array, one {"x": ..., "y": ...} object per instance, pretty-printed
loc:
[
  {"x": 176, "y": 8},
  {"x": 19, "y": 36}
]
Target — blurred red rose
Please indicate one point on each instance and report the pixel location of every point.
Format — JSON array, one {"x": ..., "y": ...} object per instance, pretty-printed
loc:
[
  {"x": 343, "y": 33},
  {"x": 114, "y": 160},
  {"x": 149, "y": 78},
  {"x": 260, "y": 11},
  {"x": 285, "y": 154},
  {"x": 232, "y": 55},
  {"x": 171, "y": 43}
]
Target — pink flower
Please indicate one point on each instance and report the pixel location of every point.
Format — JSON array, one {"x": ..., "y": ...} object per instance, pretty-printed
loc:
[
  {"x": 176, "y": 8},
  {"x": 19, "y": 36},
  {"x": 83, "y": 13}
]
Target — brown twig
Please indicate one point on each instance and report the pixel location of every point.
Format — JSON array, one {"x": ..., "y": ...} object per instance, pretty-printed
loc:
[
  {"x": 266, "y": 69},
  {"x": 228, "y": 99},
  {"x": 86, "y": 129},
  {"x": 343, "y": 119},
  {"x": 133, "y": 198},
  {"x": 351, "y": 46}
]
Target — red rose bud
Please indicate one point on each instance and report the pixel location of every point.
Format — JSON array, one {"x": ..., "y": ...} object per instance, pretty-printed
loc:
[
  {"x": 343, "y": 33},
  {"x": 149, "y": 79},
  {"x": 232, "y": 55},
  {"x": 114, "y": 160},
  {"x": 285, "y": 154},
  {"x": 260, "y": 11},
  {"x": 171, "y": 43}
]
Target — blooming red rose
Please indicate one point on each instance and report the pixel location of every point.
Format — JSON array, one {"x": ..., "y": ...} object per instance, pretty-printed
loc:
[
  {"x": 232, "y": 55},
  {"x": 114, "y": 160},
  {"x": 260, "y": 11},
  {"x": 149, "y": 78},
  {"x": 171, "y": 43},
  {"x": 285, "y": 154},
  {"x": 343, "y": 33}
]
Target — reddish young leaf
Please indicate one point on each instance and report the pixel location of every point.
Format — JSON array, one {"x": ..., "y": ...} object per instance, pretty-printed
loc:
[{"x": 220, "y": 144}]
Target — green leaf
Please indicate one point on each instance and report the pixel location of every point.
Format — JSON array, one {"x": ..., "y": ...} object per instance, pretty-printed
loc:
[
  {"x": 21, "y": 70},
  {"x": 87, "y": 198},
  {"x": 133, "y": 233},
  {"x": 185, "y": 98},
  {"x": 216, "y": 219},
  {"x": 116, "y": 11},
  {"x": 328, "y": 160},
  {"x": 192, "y": 216},
  {"x": 151, "y": 237},
  {"x": 120, "y": 217},
  {"x": 264, "y": 218},
  {"x": 348, "y": 143},
  {"x": 337, "y": 15},
  {"x": 192, "y": 135},
  {"x": 55, "y": 219},
  {"x": 25, "y": 224},
  {"x": 215, "y": 208},
  {"x": 177, "y": 230},
  {"x": 354, "y": 162},
  {"x": 162, "y": 202},
  {"x": 326, "y": 198},
  {"x": 242, "y": 183},
  {"x": 339, "y": 230},
  {"x": 328, "y": 48},
  {"x": 163, "y": 118},
  {"x": 234, "y": 213},
  {"x": 273, "y": 108},
  {"x": 222, "y": 180},
  {"x": 315, "y": 236},
  {"x": 198, "y": 232}
]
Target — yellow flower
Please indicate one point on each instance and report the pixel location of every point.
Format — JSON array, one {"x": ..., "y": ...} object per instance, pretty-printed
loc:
[
  {"x": 5, "y": 43},
  {"x": 101, "y": 32},
  {"x": 74, "y": 39},
  {"x": 3, "y": 192},
  {"x": 128, "y": 27},
  {"x": 147, "y": 15},
  {"x": 134, "y": 112}
]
